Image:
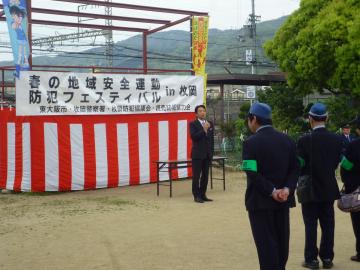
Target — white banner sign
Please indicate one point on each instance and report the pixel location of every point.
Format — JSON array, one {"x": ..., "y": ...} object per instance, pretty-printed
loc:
[
  {"x": 60, "y": 93},
  {"x": 248, "y": 57},
  {"x": 251, "y": 92}
]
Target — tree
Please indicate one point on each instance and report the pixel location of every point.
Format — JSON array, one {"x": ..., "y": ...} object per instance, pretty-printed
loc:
[
  {"x": 341, "y": 110},
  {"x": 319, "y": 47},
  {"x": 287, "y": 108},
  {"x": 241, "y": 123}
]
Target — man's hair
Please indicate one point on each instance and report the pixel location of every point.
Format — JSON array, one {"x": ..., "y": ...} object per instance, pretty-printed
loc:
[
  {"x": 318, "y": 118},
  {"x": 199, "y": 106},
  {"x": 261, "y": 121}
]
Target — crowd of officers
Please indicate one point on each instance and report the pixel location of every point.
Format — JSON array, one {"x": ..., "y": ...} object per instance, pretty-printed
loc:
[{"x": 273, "y": 164}]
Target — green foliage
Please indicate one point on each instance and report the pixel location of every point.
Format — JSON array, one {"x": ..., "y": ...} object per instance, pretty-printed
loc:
[
  {"x": 229, "y": 132},
  {"x": 287, "y": 108},
  {"x": 244, "y": 110},
  {"x": 228, "y": 129},
  {"x": 319, "y": 47},
  {"x": 342, "y": 109},
  {"x": 241, "y": 123}
]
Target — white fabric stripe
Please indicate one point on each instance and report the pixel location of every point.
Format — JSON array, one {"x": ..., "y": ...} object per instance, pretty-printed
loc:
[
  {"x": 51, "y": 144},
  {"x": 101, "y": 156},
  {"x": 51, "y": 157},
  {"x": 10, "y": 178},
  {"x": 144, "y": 152},
  {"x": 26, "y": 154},
  {"x": 163, "y": 146},
  {"x": 182, "y": 146},
  {"x": 77, "y": 157},
  {"x": 123, "y": 154}
]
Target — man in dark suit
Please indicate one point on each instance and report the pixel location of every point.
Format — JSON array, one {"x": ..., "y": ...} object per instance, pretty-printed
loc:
[
  {"x": 320, "y": 153},
  {"x": 202, "y": 136},
  {"x": 272, "y": 168},
  {"x": 350, "y": 174},
  {"x": 346, "y": 137}
]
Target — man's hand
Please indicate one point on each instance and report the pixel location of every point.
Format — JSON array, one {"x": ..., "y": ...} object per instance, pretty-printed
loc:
[
  {"x": 275, "y": 195},
  {"x": 281, "y": 195},
  {"x": 206, "y": 126},
  {"x": 284, "y": 194}
]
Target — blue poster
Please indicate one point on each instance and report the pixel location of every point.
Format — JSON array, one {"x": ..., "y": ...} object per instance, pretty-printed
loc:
[{"x": 17, "y": 21}]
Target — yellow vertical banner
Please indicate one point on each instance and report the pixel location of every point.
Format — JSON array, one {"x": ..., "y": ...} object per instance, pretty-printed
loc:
[{"x": 200, "y": 26}]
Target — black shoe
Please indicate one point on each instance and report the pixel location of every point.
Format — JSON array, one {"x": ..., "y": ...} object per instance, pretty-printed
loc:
[
  {"x": 206, "y": 199},
  {"x": 327, "y": 263},
  {"x": 355, "y": 258},
  {"x": 198, "y": 200},
  {"x": 314, "y": 264}
]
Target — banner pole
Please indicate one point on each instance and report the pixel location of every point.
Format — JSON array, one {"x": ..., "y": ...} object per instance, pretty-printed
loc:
[
  {"x": 29, "y": 11},
  {"x": 3, "y": 85},
  {"x": 191, "y": 47}
]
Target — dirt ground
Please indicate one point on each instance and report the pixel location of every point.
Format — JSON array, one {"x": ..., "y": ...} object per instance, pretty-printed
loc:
[{"x": 132, "y": 228}]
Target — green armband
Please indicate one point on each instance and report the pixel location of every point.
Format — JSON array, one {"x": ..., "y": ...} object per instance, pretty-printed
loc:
[
  {"x": 302, "y": 161},
  {"x": 249, "y": 165},
  {"x": 346, "y": 164}
]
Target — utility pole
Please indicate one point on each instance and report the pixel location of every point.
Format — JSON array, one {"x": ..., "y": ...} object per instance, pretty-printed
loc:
[
  {"x": 109, "y": 37},
  {"x": 253, "y": 19}
]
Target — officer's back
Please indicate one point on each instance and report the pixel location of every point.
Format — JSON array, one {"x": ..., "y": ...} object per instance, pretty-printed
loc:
[
  {"x": 322, "y": 151},
  {"x": 274, "y": 152}
]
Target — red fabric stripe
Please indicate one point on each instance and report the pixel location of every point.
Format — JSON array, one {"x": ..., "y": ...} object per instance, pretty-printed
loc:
[
  {"x": 112, "y": 155},
  {"x": 37, "y": 145},
  {"x": 154, "y": 148},
  {"x": 134, "y": 152},
  {"x": 89, "y": 156},
  {"x": 64, "y": 156},
  {"x": 37, "y": 156},
  {"x": 173, "y": 144},
  {"x": 3, "y": 154},
  {"x": 18, "y": 156}
]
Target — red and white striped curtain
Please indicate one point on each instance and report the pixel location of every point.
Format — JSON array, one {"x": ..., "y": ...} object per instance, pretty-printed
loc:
[{"x": 88, "y": 152}]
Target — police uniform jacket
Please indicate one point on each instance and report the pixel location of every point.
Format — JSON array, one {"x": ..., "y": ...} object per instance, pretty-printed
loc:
[
  {"x": 202, "y": 143},
  {"x": 346, "y": 141},
  {"x": 320, "y": 153},
  {"x": 350, "y": 166},
  {"x": 274, "y": 155}
]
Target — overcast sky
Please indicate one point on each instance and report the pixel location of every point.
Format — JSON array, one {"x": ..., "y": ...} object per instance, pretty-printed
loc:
[{"x": 225, "y": 14}]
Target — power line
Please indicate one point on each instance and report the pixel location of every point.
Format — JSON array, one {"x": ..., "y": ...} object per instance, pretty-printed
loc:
[{"x": 99, "y": 56}]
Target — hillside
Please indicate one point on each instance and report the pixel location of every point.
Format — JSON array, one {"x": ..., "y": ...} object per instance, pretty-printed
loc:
[{"x": 171, "y": 50}]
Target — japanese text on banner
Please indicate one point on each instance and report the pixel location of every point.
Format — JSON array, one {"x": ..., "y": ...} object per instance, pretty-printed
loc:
[{"x": 58, "y": 93}]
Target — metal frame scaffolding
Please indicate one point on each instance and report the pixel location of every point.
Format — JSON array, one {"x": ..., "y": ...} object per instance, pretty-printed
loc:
[{"x": 109, "y": 26}]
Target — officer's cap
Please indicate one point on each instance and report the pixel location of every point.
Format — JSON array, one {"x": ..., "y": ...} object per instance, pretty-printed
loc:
[
  {"x": 318, "y": 110},
  {"x": 261, "y": 110}
]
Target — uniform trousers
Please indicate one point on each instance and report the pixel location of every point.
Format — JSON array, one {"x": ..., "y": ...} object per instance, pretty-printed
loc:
[
  {"x": 271, "y": 232},
  {"x": 355, "y": 218},
  {"x": 324, "y": 213}
]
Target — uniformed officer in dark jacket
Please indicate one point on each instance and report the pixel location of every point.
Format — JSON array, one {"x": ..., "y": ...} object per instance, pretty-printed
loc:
[
  {"x": 346, "y": 136},
  {"x": 271, "y": 166},
  {"x": 320, "y": 154},
  {"x": 350, "y": 174},
  {"x": 202, "y": 136}
]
